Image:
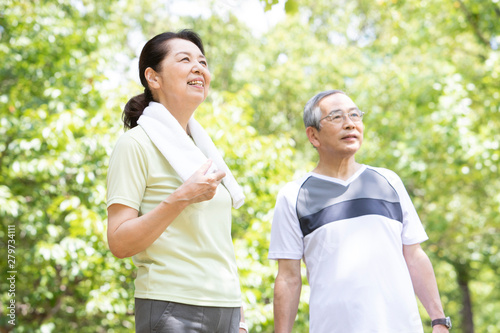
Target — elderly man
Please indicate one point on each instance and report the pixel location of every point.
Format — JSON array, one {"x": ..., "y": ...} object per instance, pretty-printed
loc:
[{"x": 358, "y": 233}]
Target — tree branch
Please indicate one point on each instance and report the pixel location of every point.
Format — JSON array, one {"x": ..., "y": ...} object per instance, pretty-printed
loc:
[
  {"x": 473, "y": 23},
  {"x": 8, "y": 141}
]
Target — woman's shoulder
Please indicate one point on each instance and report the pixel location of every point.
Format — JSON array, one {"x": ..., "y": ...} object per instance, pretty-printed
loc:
[
  {"x": 135, "y": 135},
  {"x": 134, "y": 139}
]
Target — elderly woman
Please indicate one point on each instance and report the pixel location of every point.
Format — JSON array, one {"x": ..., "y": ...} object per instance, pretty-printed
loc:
[{"x": 170, "y": 195}]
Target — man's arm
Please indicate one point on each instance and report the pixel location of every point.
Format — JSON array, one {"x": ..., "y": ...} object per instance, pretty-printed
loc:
[
  {"x": 424, "y": 282},
  {"x": 287, "y": 289}
]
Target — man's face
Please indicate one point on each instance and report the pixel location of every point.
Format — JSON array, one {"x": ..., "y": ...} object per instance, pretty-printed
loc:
[{"x": 341, "y": 139}]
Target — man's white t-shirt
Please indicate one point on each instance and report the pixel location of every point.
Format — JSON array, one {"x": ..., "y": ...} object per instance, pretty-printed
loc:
[{"x": 350, "y": 235}]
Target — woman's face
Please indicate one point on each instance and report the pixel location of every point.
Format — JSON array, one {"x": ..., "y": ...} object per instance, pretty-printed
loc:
[{"x": 184, "y": 78}]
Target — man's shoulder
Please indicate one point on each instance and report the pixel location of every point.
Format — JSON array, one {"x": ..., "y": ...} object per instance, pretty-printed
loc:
[
  {"x": 296, "y": 183},
  {"x": 291, "y": 189},
  {"x": 388, "y": 174}
]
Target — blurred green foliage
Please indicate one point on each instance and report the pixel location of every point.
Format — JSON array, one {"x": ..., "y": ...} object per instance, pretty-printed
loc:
[{"x": 425, "y": 72}]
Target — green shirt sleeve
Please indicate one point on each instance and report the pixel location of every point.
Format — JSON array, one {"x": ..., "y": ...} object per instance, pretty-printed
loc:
[{"x": 127, "y": 173}]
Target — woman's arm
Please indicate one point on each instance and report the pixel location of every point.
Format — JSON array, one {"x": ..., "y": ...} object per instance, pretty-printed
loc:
[
  {"x": 129, "y": 234},
  {"x": 242, "y": 320}
]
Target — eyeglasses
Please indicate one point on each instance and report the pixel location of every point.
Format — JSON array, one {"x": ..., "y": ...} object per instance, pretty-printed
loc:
[{"x": 338, "y": 117}]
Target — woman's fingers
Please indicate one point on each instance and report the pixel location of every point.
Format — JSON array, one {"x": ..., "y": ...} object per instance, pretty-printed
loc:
[
  {"x": 202, "y": 185},
  {"x": 205, "y": 167},
  {"x": 217, "y": 176}
]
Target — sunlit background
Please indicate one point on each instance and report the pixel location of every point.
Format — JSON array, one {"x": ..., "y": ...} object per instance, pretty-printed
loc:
[{"x": 425, "y": 72}]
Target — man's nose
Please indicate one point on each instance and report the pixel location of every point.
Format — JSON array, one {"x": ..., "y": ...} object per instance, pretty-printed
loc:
[{"x": 348, "y": 123}]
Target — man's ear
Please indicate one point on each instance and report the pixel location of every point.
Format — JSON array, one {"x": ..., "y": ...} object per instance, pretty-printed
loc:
[
  {"x": 152, "y": 78},
  {"x": 312, "y": 135}
]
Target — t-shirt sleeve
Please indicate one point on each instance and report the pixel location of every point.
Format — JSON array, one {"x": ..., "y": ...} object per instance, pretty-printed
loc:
[
  {"x": 127, "y": 173},
  {"x": 286, "y": 236},
  {"x": 413, "y": 230}
]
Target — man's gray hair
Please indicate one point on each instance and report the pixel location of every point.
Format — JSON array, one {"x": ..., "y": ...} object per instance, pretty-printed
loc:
[{"x": 312, "y": 112}]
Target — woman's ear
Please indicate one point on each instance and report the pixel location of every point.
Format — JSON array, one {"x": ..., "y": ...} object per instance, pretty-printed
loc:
[
  {"x": 152, "y": 78},
  {"x": 312, "y": 135}
]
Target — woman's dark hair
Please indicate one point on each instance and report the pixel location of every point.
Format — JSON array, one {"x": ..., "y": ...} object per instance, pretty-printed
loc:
[{"x": 152, "y": 54}]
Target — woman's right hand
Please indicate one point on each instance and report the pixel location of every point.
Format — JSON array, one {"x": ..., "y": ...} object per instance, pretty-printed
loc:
[
  {"x": 201, "y": 186},
  {"x": 129, "y": 233}
]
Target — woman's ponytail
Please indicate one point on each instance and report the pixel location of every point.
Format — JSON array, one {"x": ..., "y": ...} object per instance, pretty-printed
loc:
[{"x": 135, "y": 107}]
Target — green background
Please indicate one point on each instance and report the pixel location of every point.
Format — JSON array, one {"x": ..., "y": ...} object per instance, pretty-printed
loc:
[{"x": 425, "y": 72}]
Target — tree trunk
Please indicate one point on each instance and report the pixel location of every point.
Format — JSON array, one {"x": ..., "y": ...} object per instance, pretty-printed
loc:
[{"x": 466, "y": 311}]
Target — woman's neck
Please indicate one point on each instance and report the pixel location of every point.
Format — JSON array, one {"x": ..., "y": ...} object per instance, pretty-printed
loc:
[{"x": 181, "y": 114}]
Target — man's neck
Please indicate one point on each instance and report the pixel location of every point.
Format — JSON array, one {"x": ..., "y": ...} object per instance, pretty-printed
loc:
[{"x": 343, "y": 169}]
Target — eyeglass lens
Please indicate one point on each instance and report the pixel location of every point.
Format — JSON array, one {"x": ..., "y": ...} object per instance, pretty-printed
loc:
[{"x": 339, "y": 116}]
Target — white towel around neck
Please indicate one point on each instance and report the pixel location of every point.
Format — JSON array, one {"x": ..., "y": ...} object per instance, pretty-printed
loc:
[{"x": 186, "y": 156}]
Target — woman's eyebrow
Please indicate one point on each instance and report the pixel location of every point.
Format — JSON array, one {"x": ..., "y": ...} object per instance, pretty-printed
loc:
[{"x": 189, "y": 54}]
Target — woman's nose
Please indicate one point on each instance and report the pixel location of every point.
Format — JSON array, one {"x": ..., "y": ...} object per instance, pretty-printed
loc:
[{"x": 198, "y": 68}]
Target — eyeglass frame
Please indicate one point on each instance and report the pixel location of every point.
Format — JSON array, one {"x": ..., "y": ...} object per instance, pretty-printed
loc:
[{"x": 344, "y": 116}]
